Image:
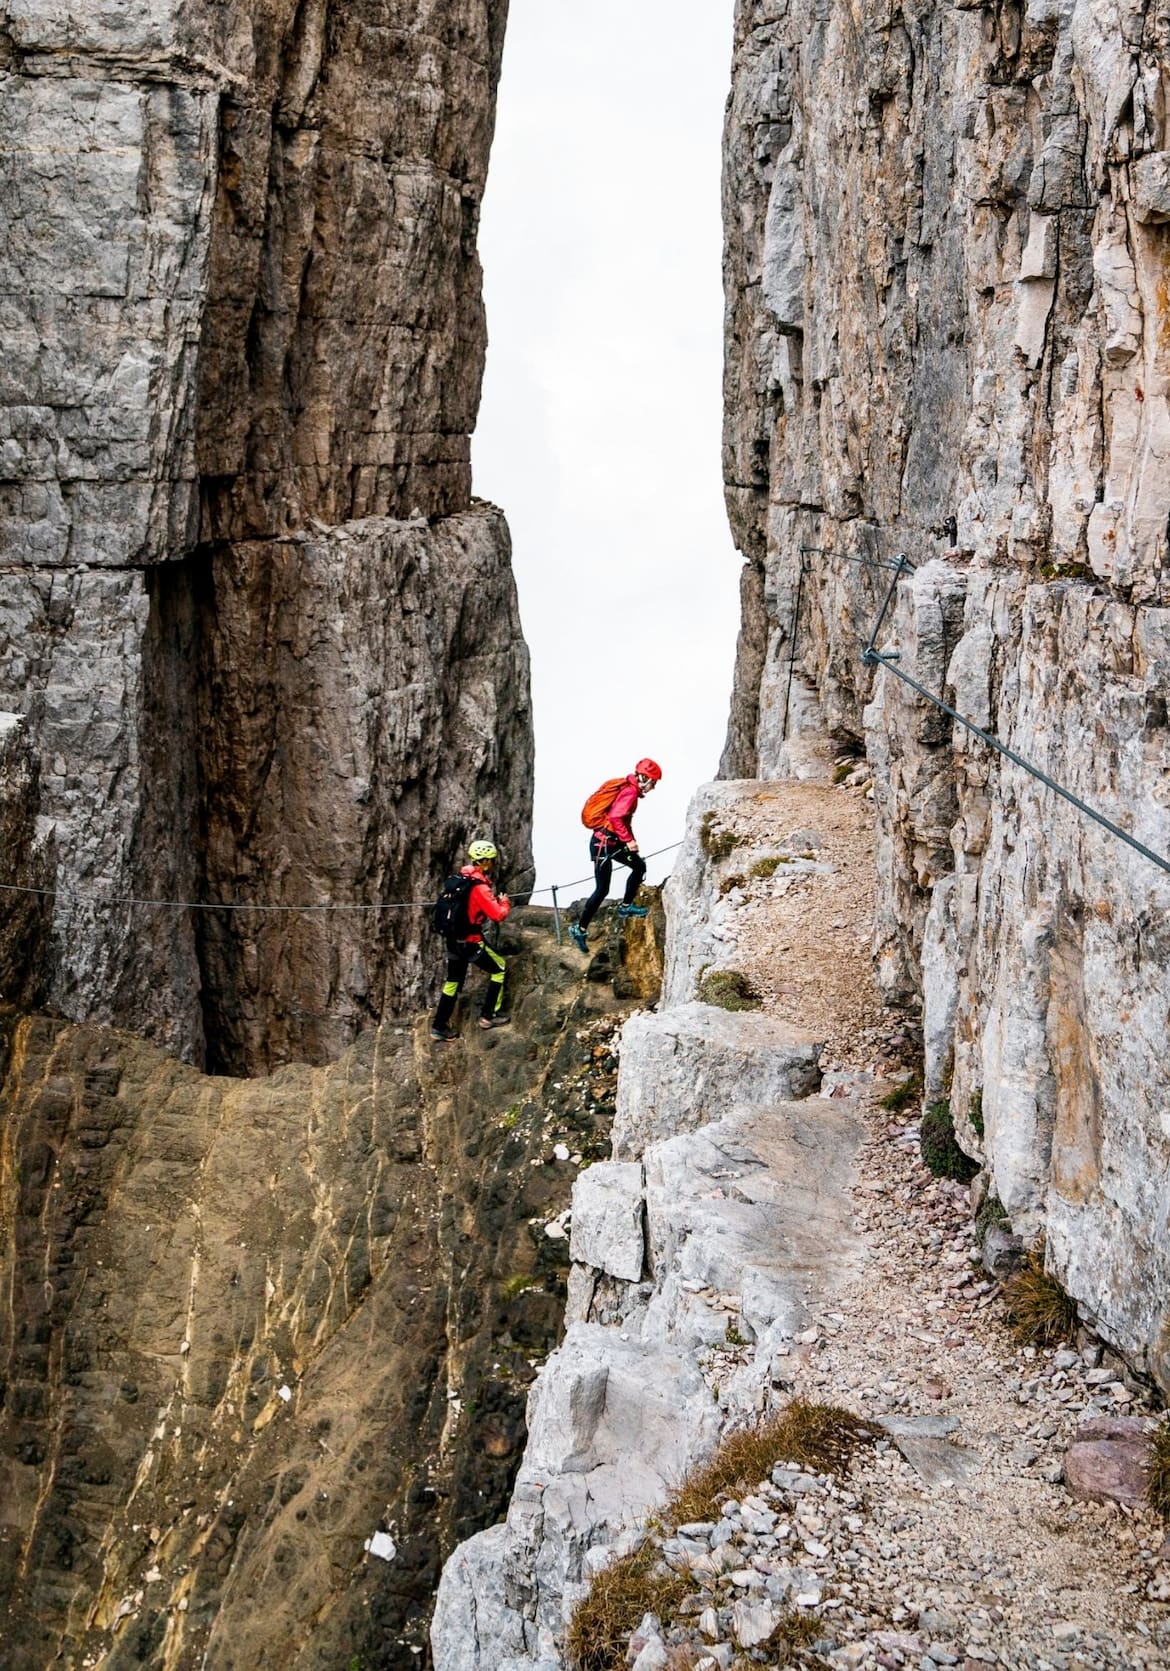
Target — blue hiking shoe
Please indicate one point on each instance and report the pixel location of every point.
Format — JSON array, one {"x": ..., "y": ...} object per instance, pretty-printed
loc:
[
  {"x": 577, "y": 936},
  {"x": 632, "y": 911}
]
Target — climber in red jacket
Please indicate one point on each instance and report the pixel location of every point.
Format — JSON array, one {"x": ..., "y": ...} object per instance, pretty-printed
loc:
[
  {"x": 613, "y": 839},
  {"x": 466, "y": 947}
]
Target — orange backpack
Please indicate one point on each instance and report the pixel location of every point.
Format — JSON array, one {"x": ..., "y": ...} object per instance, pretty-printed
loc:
[{"x": 594, "y": 811}]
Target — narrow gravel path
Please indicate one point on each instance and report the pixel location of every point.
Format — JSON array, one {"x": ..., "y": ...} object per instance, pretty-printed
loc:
[{"x": 973, "y": 1553}]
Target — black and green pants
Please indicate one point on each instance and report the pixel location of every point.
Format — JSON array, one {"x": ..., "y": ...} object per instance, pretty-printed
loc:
[{"x": 463, "y": 955}]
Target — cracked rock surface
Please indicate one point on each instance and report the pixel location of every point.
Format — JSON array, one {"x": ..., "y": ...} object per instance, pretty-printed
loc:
[
  {"x": 946, "y": 268},
  {"x": 266, "y": 643}
]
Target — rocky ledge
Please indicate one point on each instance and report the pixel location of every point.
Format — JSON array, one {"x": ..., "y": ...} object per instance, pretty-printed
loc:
[{"x": 762, "y": 1242}]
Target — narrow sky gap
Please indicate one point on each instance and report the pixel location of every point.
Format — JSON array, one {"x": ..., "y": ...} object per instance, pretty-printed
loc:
[{"x": 599, "y": 433}]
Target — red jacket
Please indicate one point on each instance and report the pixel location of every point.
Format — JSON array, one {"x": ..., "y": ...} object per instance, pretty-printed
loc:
[
  {"x": 482, "y": 904},
  {"x": 622, "y": 809}
]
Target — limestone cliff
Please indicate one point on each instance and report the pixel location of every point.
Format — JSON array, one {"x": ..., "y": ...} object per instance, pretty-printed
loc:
[
  {"x": 948, "y": 335},
  {"x": 247, "y": 1324},
  {"x": 266, "y": 643}
]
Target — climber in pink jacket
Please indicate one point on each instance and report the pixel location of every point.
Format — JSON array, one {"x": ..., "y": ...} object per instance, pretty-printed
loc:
[{"x": 613, "y": 839}]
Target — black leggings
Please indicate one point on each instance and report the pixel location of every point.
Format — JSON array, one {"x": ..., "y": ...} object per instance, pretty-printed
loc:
[
  {"x": 604, "y": 849},
  {"x": 460, "y": 958}
]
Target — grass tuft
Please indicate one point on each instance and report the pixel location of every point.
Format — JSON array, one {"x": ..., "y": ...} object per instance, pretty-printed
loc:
[
  {"x": 715, "y": 841},
  {"x": 794, "y": 1630},
  {"x": 513, "y": 1286},
  {"x": 769, "y": 866},
  {"x": 820, "y": 1436},
  {"x": 1158, "y": 1490},
  {"x": 728, "y": 989},
  {"x": 1037, "y": 1307},
  {"x": 730, "y": 882},
  {"x": 1067, "y": 571},
  {"x": 940, "y": 1150},
  {"x": 903, "y": 1095},
  {"x": 604, "y": 1620}
]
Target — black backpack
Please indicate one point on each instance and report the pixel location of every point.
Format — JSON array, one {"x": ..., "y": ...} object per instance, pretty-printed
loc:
[{"x": 449, "y": 912}]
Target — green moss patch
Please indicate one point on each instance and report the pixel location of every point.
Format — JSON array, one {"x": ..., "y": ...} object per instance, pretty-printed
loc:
[
  {"x": 975, "y": 1114},
  {"x": 903, "y": 1095},
  {"x": 940, "y": 1149},
  {"x": 728, "y": 989},
  {"x": 991, "y": 1216},
  {"x": 715, "y": 840},
  {"x": 769, "y": 866}
]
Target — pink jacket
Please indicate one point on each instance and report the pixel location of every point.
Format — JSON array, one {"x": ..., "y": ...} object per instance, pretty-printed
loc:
[{"x": 622, "y": 809}]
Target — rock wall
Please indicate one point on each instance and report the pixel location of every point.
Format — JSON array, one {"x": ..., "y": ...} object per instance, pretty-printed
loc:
[
  {"x": 249, "y": 1323},
  {"x": 251, "y": 612},
  {"x": 948, "y": 294}
]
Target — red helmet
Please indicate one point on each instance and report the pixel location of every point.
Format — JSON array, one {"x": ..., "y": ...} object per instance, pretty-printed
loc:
[{"x": 650, "y": 769}]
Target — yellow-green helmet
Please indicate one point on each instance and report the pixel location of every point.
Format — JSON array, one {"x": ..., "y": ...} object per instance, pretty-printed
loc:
[{"x": 481, "y": 851}]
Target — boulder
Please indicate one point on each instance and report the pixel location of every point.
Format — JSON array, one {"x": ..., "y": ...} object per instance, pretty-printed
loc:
[
  {"x": 751, "y": 1205},
  {"x": 1109, "y": 1461}
]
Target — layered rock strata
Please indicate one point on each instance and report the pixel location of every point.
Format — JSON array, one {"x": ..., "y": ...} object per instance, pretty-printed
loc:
[
  {"x": 267, "y": 645},
  {"x": 249, "y": 1324},
  {"x": 727, "y": 1211},
  {"x": 947, "y": 259}
]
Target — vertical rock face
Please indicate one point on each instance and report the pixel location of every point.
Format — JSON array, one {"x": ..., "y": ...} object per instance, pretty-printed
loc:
[
  {"x": 948, "y": 294},
  {"x": 362, "y": 707},
  {"x": 247, "y": 1323},
  {"x": 267, "y": 644}
]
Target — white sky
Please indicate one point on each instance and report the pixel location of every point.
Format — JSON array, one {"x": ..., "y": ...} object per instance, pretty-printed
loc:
[{"x": 600, "y": 426}]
